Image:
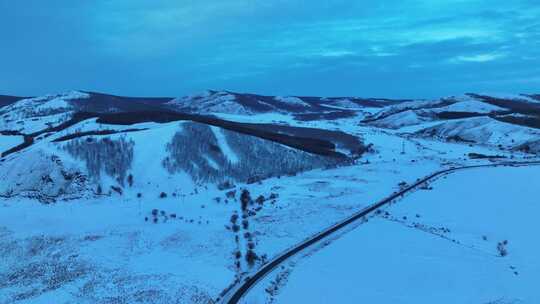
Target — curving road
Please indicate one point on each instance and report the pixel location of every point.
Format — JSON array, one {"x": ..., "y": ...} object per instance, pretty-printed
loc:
[{"x": 237, "y": 292}]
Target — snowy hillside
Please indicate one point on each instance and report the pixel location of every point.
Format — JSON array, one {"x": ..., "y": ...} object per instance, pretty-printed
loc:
[
  {"x": 301, "y": 108},
  {"x": 109, "y": 199},
  {"x": 95, "y": 159},
  {"x": 33, "y": 114},
  {"x": 483, "y": 130},
  {"x": 448, "y": 236}
]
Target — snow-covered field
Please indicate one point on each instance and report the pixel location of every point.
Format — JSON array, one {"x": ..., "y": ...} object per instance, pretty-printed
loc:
[
  {"x": 437, "y": 246},
  {"x": 153, "y": 213},
  {"x": 9, "y": 141},
  {"x": 115, "y": 239}
]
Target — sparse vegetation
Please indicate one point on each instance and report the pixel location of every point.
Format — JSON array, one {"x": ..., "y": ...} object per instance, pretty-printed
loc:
[
  {"x": 251, "y": 257},
  {"x": 501, "y": 248}
]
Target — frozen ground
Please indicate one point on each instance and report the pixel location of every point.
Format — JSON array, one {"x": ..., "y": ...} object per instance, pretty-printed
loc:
[
  {"x": 137, "y": 246},
  {"x": 437, "y": 246},
  {"x": 9, "y": 141},
  {"x": 73, "y": 250}
]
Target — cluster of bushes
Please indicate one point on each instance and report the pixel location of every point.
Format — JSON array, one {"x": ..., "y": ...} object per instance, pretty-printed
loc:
[
  {"x": 501, "y": 248},
  {"x": 157, "y": 214},
  {"x": 241, "y": 228}
]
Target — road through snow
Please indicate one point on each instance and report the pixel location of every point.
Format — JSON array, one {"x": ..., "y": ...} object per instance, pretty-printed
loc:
[{"x": 237, "y": 292}]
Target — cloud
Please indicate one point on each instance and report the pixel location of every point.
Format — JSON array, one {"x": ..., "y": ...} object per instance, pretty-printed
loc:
[
  {"x": 169, "y": 47},
  {"x": 480, "y": 58}
]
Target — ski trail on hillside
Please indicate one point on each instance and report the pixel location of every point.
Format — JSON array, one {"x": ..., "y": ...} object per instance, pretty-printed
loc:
[{"x": 224, "y": 145}]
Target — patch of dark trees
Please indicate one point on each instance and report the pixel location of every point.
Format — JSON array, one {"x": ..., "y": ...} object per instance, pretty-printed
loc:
[
  {"x": 534, "y": 96},
  {"x": 102, "y": 103},
  {"x": 483, "y": 156},
  {"x": 365, "y": 102},
  {"x": 526, "y": 121},
  {"x": 515, "y": 105},
  {"x": 342, "y": 139},
  {"x": 532, "y": 121},
  {"x": 11, "y": 133},
  {"x": 327, "y": 103},
  {"x": 310, "y": 140},
  {"x": 94, "y": 133},
  {"x": 458, "y": 115},
  {"x": 28, "y": 141},
  {"x": 439, "y": 104},
  {"x": 287, "y": 135},
  {"x": 332, "y": 115},
  {"x": 458, "y": 138},
  {"x": 75, "y": 119},
  {"x": 29, "y": 138},
  {"x": 7, "y": 100},
  {"x": 526, "y": 147}
]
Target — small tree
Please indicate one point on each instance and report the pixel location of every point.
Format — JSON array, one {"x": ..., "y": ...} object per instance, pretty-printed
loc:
[
  {"x": 245, "y": 199},
  {"x": 501, "y": 247},
  {"x": 251, "y": 257}
]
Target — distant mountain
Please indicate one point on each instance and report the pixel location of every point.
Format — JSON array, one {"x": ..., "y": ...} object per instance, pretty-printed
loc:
[
  {"x": 7, "y": 100},
  {"x": 71, "y": 144},
  {"x": 303, "y": 108},
  {"x": 152, "y": 194}
]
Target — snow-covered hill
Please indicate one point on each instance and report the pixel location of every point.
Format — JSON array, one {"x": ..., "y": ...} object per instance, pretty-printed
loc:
[
  {"x": 483, "y": 130},
  {"x": 302, "y": 108},
  {"x": 108, "y": 199},
  {"x": 90, "y": 158}
]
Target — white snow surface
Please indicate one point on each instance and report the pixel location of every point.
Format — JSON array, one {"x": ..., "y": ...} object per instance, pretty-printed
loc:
[
  {"x": 35, "y": 114},
  {"x": 409, "y": 257},
  {"x": 8, "y": 142},
  {"x": 107, "y": 248},
  {"x": 171, "y": 259},
  {"x": 291, "y": 100},
  {"x": 466, "y": 104},
  {"x": 485, "y": 130},
  {"x": 401, "y": 119},
  {"x": 520, "y": 97},
  {"x": 210, "y": 103},
  {"x": 224, "y": 145}
]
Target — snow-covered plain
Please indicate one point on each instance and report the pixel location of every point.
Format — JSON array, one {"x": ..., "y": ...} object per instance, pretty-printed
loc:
[
  {"x": 114, "y": 239},
  {"x": 437, "y": 246}
]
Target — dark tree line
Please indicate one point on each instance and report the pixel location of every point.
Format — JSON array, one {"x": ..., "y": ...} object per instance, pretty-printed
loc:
[{"x": 196, "y": 151}]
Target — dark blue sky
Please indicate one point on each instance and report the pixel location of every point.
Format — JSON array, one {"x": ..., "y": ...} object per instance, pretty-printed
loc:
[{"x": 397, "y": 48}]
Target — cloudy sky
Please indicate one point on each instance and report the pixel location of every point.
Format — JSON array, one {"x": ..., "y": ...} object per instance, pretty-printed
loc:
[{"x": 382, "y": 48}]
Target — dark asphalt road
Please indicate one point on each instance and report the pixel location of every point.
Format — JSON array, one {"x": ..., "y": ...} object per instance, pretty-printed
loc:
[{"x": 239, "y": 292}]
